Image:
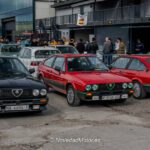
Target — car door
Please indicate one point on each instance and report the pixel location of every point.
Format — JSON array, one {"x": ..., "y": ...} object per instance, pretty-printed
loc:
[
  {"x": 136, "y": 70},
  {"x": 119, "y": 65},
  {"x": 58, "y": 76},
  {"x": 46, "y": 70}
]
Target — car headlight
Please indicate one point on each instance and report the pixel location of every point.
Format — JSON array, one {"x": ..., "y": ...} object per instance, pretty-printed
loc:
[
  {"x": 36, "y": 92},
  {"x": 130, "y": 85},
  {"x": 95, "y": 87},
  {"x": 124, "y": 85},
  {"x": 88, "y": 87},
  {"x": 43, "y": 92}
]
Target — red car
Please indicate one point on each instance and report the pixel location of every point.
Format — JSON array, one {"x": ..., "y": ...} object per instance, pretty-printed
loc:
[
  {"x": 83, "y": 78},
  {"x": 136, "y": 68}
]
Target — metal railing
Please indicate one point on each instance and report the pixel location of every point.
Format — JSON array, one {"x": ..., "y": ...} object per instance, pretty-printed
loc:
[{"x": 126, "y": 14}]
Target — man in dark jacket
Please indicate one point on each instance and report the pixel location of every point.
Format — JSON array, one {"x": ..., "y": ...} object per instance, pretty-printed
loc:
[
  {"x": 107, "y": 51},
  {"x": 80, "y": 46},
  {"x": 92, "y": 47}
]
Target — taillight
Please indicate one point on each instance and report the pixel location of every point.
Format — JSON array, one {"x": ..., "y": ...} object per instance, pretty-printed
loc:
[{"x": 35, "y": 63}]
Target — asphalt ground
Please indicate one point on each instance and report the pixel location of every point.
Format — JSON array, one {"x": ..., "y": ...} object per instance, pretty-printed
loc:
[{"x": 92, "y": 126}]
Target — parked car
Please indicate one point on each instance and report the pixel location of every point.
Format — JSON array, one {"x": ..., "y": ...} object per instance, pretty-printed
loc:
[
  {"x": 136, "y": 68},
  {"x": 9, "y": 49},
  {"x": 32, "y": 56},
  {"x": 67, "y": 49},
  {"x": 83, "y": 77},
  {"x": 19, "y": 91}
]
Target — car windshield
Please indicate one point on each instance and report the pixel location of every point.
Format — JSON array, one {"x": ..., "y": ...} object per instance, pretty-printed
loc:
[
  {"x": 67, "y": 49},
  {"x": 45, "y": 53},
  {"x": 86, "y": 63},
  {"x": 10, "y": 48},
  {"x": 12, "y": 67}
]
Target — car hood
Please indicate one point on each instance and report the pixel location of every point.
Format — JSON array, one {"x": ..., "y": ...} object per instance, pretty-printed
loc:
[
  {"x": 99, "y": 78},
  {"x": 21, "y": 82}
]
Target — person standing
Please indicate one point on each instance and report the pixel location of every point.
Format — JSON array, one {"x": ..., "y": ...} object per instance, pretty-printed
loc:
[
  {"x": 92, "y": 47},
  {"x": 121, "y": 49},
  {"x": 80, "y": 46},
  {"x": 71, "y": 42},
  {"x": 139, "y": 48},
  {"x": 107, "y": 51}
]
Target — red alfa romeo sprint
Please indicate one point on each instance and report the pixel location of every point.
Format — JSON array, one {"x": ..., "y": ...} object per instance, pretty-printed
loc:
[
  {"x": 137, "y": 68},
  {"x": 83, "y": 78}
]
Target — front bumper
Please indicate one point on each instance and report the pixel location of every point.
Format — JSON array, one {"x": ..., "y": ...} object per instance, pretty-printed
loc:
[
  {"x": 24, "y": 105},
  {"x": 98, "y": 96}
]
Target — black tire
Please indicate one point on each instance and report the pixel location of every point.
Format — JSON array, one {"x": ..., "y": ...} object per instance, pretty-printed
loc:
[
  {"x": 139, "y": 91},
  {"x": 72, "y": 98}
]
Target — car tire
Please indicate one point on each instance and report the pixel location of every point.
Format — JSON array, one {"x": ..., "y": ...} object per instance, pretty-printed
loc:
[
  {"x": 72, "y": 97},
  {"x": 139, "y": 92}
]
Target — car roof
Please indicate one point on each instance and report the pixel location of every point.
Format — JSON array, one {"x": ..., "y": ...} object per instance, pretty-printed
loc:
[
  {"x": 10, "y": 57},
  {"x": 64, "y": 46},
  {"x": 74, "y": 55},
  {"x": 41, "y": 47}
]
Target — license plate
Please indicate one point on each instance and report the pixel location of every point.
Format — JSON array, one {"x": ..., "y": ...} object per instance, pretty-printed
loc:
[
  {"x": 111, "y": 97},
  {"x": 95, "y": 98},
  {"x": 124, "y": 96},
  {"x": 13, "y": 108},
  {"x": 115, "y": 97}
]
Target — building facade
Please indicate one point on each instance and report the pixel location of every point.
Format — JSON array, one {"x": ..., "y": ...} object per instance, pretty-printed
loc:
[
  {"x": 127, "y": 19},
  {"x": 18, "y": 16}
]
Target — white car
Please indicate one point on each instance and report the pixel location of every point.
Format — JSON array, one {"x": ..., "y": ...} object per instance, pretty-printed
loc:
[{"x": 32, "y": 56}]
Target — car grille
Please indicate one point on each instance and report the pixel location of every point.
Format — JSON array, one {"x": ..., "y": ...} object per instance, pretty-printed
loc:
[
  {"x": 105, "y": 88},
  {"x": 7, "y": 94}
]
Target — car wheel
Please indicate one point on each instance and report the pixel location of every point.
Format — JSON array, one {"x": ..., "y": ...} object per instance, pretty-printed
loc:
[
  {"x": 138, "y": 91},
  {"x": 72, "y": 98}
]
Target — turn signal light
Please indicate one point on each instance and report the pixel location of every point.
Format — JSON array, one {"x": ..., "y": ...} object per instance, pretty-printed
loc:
[
  {"x": 131, "y": 91},
  {"x": 43, "y": 101},
  {"x": 89, "y": 94}
]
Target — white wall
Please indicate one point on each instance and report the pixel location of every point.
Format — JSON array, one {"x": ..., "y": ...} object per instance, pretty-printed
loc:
[
  {"x": 44, "y": 10},
  {"x": 64, "y": 12}
]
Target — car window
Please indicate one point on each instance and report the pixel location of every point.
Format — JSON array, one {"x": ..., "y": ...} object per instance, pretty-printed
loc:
[
  {"x": 21, "y": 53},
  {"x": 49, "y": 62},
  {"x": 27, "y": 53},
  {"x": 59, "y": 62},
  {"x": 121, "y": 63},
  {"x": 136, "y": 65},
  {"x": 45, "y": 53},
  {"x": 12, "y": 67},
  {"x": 148, "y": 60},
  {"x": 85, "y": 63},
  {"x": 10, "y": 48}
]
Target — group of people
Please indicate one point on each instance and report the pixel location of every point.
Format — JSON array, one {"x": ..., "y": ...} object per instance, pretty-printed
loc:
[
  {"x": 85, "y": 47},
  {"x": 118, "y": 47}
]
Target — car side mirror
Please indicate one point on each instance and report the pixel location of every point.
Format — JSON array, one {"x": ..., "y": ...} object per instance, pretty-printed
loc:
[
  {"x": 31, "y": 71},
  {"x": 57, "y": 68}
]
